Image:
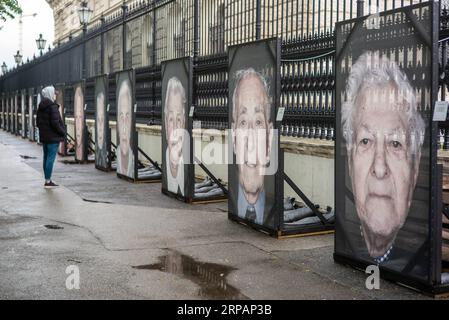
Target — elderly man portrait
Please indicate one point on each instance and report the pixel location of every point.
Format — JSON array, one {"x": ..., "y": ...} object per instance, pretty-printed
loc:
[
  {"x": 175, "y": 124},
  {"x": 384, "y": 134},
  {"x": 101, "y": 157},
  {"x": 252, "y": 133},
  {"x": 60, "y": 101},
  {"x": 125, "y": 154},
  {"x": 79, "y": 123}
]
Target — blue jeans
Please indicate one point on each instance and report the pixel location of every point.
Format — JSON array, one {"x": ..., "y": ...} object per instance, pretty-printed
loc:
[{"x": 50, "y": 151}]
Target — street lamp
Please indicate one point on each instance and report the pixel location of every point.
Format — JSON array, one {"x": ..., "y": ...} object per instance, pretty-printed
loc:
[
  {"x": 84, "y": 14},
  {"x": 18, "y": 57},
  {"x": 4, "y": 68},
  {"x": 41, "y": 42}
]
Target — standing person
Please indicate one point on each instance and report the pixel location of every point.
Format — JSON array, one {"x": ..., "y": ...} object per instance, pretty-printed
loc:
[{"x": 51, "y": 131}]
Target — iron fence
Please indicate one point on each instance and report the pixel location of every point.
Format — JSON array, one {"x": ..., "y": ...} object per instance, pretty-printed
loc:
[{"x": 142, "y": 34}]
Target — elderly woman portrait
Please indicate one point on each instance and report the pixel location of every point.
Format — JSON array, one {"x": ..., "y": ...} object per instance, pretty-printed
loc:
[
  {"x": 79, "y": 123},
  {"x": 101, "y": 156},
  {"x": 384, "y": 134},
  {"x": 252, "y": 135},
  {"x": 175, "y": 124},
  {"x": 125, "y": 153}
]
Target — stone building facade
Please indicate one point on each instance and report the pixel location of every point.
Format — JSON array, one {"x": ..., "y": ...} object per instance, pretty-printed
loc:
[{"x": 66, "y": 15}]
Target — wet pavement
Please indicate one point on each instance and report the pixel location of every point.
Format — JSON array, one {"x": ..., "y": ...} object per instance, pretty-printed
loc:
[{"x": 131, "y": 242}]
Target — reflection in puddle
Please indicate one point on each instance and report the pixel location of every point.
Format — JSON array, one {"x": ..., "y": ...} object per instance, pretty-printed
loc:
[{"x": 210, "y": 277}]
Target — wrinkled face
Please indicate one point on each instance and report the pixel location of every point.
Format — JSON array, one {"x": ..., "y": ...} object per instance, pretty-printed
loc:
[
  {"x": 124, "y": 121},
  {"x": 60, "y": 101},
  {"x": 79, "y": 121},
  {"x": 100, "y": 119},
  {"x": 382, "y": 166},
  {"x": 175, "y": 125},
  {"x": 251, "y": 136}
]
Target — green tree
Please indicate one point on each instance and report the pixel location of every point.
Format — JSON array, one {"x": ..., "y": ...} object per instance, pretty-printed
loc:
[{"x": 9, "y": 8}]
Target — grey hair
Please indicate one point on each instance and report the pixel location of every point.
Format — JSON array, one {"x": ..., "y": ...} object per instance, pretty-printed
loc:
[
  {"x": 239, "y": 77},
  {"x": 175, "y": 86},
  {"x": 48, "y": 93},
  {"x": 370, "y": 71}
]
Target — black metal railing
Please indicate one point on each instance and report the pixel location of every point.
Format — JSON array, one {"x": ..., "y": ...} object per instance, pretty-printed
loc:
[{"x": 142, "y": 34}]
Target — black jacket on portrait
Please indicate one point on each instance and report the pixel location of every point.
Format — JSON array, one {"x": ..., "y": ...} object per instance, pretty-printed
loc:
[{"x": 49, "y": 121}]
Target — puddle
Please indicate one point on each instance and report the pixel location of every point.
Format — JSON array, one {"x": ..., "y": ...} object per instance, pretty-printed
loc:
[
  {"x": 97, "y": 201},
  {"x": 210, "y": 277},
  {"x": 27, "y": 157},
  {"x": 53, "y": 226}
]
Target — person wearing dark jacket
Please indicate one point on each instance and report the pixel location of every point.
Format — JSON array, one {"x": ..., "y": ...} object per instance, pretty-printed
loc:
[{"x": 51, "y": 131}]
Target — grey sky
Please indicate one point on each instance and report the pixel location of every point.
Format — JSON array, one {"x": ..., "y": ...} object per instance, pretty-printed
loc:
[{"x": 32, "y": 27}]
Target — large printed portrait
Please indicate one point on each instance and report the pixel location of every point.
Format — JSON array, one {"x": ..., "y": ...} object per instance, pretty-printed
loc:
[
  {"x": 126, "y": 149},
  {"x": 101, "y": 123},
  {"x": 80, "y": 123},
  {"x": 60, "y": 102},
  {"x": 176, "y": 82},
  {"x": 383, "y": 141},
  {"x": 10, "y": 113},
  {"x": 253, "y": 74},
  {"x": 30, "y": 114},
  {"x": 2, "y": 114},
  {"x": 23, "y": 114},
  {"x": 16, "y": 113}
]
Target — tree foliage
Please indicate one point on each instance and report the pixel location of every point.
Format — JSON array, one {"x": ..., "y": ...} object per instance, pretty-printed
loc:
[{"x": 8, "y": 9}]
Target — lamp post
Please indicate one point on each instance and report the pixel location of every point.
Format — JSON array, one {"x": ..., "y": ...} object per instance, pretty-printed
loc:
[
  {"x": 4, "y": 68},
  {"x": 41, "y": 42},
  {"x": 18, "y": 57},
  {"x": 360, "y": 4},
  {"x": 84, "y": 14}
]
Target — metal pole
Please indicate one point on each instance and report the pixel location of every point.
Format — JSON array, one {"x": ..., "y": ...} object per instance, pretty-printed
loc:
[
  {"x": 124, "y": 8},
  {"x": 83, "y": 72},
  {"x": 258, "y": 19},
  {"x": 196, "y": 29},
  {"x": 154, "y": 33},
  {"x": 103, "y": 21},
  {"x": 360, "y": 4}
]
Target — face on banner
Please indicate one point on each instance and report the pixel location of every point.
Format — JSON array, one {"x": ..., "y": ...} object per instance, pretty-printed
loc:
[
  {"x": 124, "y": 125},
  {"x": 384, "y": 134},
  {"x": 79, "y": 122},
  {"x": 252, "y": 136},
  {"x": 60, "y": 101},
  {"x": 175, "y": 125},
  {"x": 30, "y": 114},
  {"x": 100, "y": 119}
]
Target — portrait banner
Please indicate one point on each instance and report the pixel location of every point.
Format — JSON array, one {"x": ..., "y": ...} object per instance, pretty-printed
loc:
[
  {"x": 12, "y": 106},
  {"x": 126, "y": 125},
  {"x": 102, "y": 131},
  {"x": 177, "y": 155},
  {"x": 30, "y": 108},
  {"x": 12, "y": 99},
  {"x": 81, "y": 144},
  {"x": 15, "y": 129},
  {"x": 23, "y": 126},
  {"x": 36, "y": 128},
  {"x": 385, "y": 94},
  {"x": 2, "y": 112},
  {"x": 255, "y": 183},
  {"x": 60, "y": 102}
]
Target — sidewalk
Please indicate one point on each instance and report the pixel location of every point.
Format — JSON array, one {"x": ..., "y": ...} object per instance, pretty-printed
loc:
[{"x": 120, "y": 235}]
